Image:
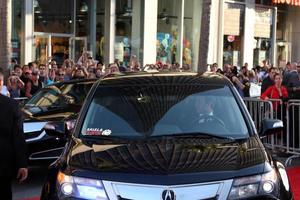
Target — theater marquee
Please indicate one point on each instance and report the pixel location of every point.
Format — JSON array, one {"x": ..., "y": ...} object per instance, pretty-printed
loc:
[{"x": 288, "y": 2}]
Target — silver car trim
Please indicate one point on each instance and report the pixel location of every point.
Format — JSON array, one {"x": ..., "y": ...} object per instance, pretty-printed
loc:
[
  {"x": 45, "y": 158},
  {"x": 33, "y": 126},
  {"x": 37, "y": 138},
  {"x": 222, "y": 191}
]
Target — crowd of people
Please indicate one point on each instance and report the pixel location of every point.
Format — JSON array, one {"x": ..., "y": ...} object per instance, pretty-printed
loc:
[
  {"x": 274, "y": 83},
  {"x": 25, "y": 81}
]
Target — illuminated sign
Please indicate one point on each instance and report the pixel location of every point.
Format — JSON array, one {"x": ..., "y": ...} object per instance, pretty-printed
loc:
[{"x": 288, "y": 2}]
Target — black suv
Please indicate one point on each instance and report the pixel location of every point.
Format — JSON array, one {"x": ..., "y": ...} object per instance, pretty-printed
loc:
[
  {"x": 55, "y": 106},
  {"x": 166, "y": 137}
]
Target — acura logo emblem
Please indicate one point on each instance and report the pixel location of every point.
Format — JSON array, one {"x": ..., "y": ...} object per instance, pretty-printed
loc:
[{"x": 168, "y": 195}]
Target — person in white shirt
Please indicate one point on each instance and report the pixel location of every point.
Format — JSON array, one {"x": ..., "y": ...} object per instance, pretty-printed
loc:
[{"x": 3, "y": 89}]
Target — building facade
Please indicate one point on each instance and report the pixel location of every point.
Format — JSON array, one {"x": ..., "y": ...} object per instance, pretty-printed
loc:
[
  {"x": 251, "y": 31},
  {"x": 166, "y": 31}
]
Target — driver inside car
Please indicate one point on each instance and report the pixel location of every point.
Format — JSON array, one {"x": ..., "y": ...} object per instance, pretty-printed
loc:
[{"x": 204, "y": 108}]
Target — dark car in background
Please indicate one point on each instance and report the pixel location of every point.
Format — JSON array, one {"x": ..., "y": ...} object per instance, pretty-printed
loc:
[
  {"x": 55, "y": 106},
  {"x": 166, "y": 137}
]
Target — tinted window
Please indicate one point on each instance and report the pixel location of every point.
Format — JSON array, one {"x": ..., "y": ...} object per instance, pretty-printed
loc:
[
  {"x": 61, "y": 95},
  {"x": 142, "y": 111}
]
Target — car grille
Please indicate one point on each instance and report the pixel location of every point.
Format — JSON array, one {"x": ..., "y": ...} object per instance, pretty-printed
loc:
[
  {"x": 205, "y": 191},
  {"x": 214, "y": 198}
]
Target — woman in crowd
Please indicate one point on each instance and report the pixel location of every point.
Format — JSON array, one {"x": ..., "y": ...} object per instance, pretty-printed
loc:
[{"x": 276, "y": 91}]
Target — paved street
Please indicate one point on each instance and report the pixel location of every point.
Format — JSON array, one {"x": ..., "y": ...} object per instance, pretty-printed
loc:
[{"x": 31, "y": 189}]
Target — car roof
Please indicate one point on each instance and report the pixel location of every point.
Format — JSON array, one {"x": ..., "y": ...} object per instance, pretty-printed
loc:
[
  {"x": 145, "y": 78},
  {"x": 72, "y": 82}
]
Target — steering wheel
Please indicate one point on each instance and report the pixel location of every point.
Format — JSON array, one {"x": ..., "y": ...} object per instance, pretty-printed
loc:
[{"x": 206, "y": 118}]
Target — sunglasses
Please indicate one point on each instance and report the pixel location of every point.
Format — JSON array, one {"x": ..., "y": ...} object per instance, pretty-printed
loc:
[{"x": 61, "y": 74}]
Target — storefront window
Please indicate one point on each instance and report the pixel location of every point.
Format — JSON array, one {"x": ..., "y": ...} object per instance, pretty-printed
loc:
[
  {"x": 167, "y": 31},
  {"x": 83, "y": 29},
  {"x": 55, "y": 16},
  {"x": 262, "y": 35},
  {"x": 233, "y": 33},
  {"x": 128, "y": 49},
  {"x": 16, "y": 29},
  {"x": 192, "y": 24},
  {"x": 83, "y": 15},
  {"x": 41, "y": 49},
  {"x": 100, "y": 31},
  {"x": 283, "y": 47}
]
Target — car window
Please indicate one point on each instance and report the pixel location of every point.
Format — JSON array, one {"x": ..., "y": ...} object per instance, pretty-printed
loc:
[
  {"x": 61, "y": 95},
  {"x": 145, "y": 111}
]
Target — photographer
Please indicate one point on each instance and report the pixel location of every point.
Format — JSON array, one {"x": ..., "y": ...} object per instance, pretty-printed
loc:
[
  {"x": 80, "y": 72},
  {"x": 242, "y": 84},
  {"x": 14, "y": 85}
]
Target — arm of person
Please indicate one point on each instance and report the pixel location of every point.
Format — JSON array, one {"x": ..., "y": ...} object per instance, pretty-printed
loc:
[
  {"x": 19, "y": 145},
  {"x": 295, "y": 89},
  {"x": 238, "y": 82},
  {"x": 9, "y": 83},
  {"x": 267, "y": 94},
  {"x": 285, "y": 93},
  {"x": 263, "y": 88},
  {"x": 86, "y": 73},
  {"x": 20, "y": 83},
  {"x": 28, "y": 89}
]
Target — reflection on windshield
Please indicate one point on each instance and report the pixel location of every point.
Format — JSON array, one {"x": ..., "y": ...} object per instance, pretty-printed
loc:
[
  {"x": 164, "y": 110},
  {"x": 60, "y": 95}
]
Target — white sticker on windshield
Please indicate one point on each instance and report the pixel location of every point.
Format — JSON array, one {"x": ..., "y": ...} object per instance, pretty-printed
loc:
[
  {"x": 98, "y": 131},
  {"x": 106, "y": 132}
]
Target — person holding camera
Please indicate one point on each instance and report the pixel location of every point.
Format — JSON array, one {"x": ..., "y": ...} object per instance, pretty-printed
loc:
[{"x": 15, "y": 85}]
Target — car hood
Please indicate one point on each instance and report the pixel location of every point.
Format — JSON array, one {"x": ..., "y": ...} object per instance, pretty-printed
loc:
[
  {"x": 181, "y": 160},
  {"x": 37, "y": 114}
]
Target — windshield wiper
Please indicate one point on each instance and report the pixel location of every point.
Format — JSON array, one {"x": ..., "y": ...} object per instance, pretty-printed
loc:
[
  {"x": 105, "y": 138},
  {"x": 54, "y": 107},
  {"x": 30, "y": 105},
  {"x": 196, "y": 134}
]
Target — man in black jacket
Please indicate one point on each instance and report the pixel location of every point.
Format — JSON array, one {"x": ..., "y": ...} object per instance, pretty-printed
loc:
[
  {"x": 12, "y": 145},
  {"x": 269, "y": 81}
]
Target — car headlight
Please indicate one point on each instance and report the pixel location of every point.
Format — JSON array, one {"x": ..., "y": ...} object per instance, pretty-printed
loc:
[
  {"x": 265, "y": 184},
  {"x": 77, "y": 187}
]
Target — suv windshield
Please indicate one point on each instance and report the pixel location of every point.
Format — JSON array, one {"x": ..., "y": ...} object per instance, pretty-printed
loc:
[
  {"x": 61, "y": 95},
  {"x": 162, "y": 110}
]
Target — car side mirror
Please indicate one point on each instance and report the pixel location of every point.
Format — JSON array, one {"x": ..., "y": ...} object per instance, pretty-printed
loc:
[
  {"x": 271, "y": 126},
  {"x": 55, "y": 129}
]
